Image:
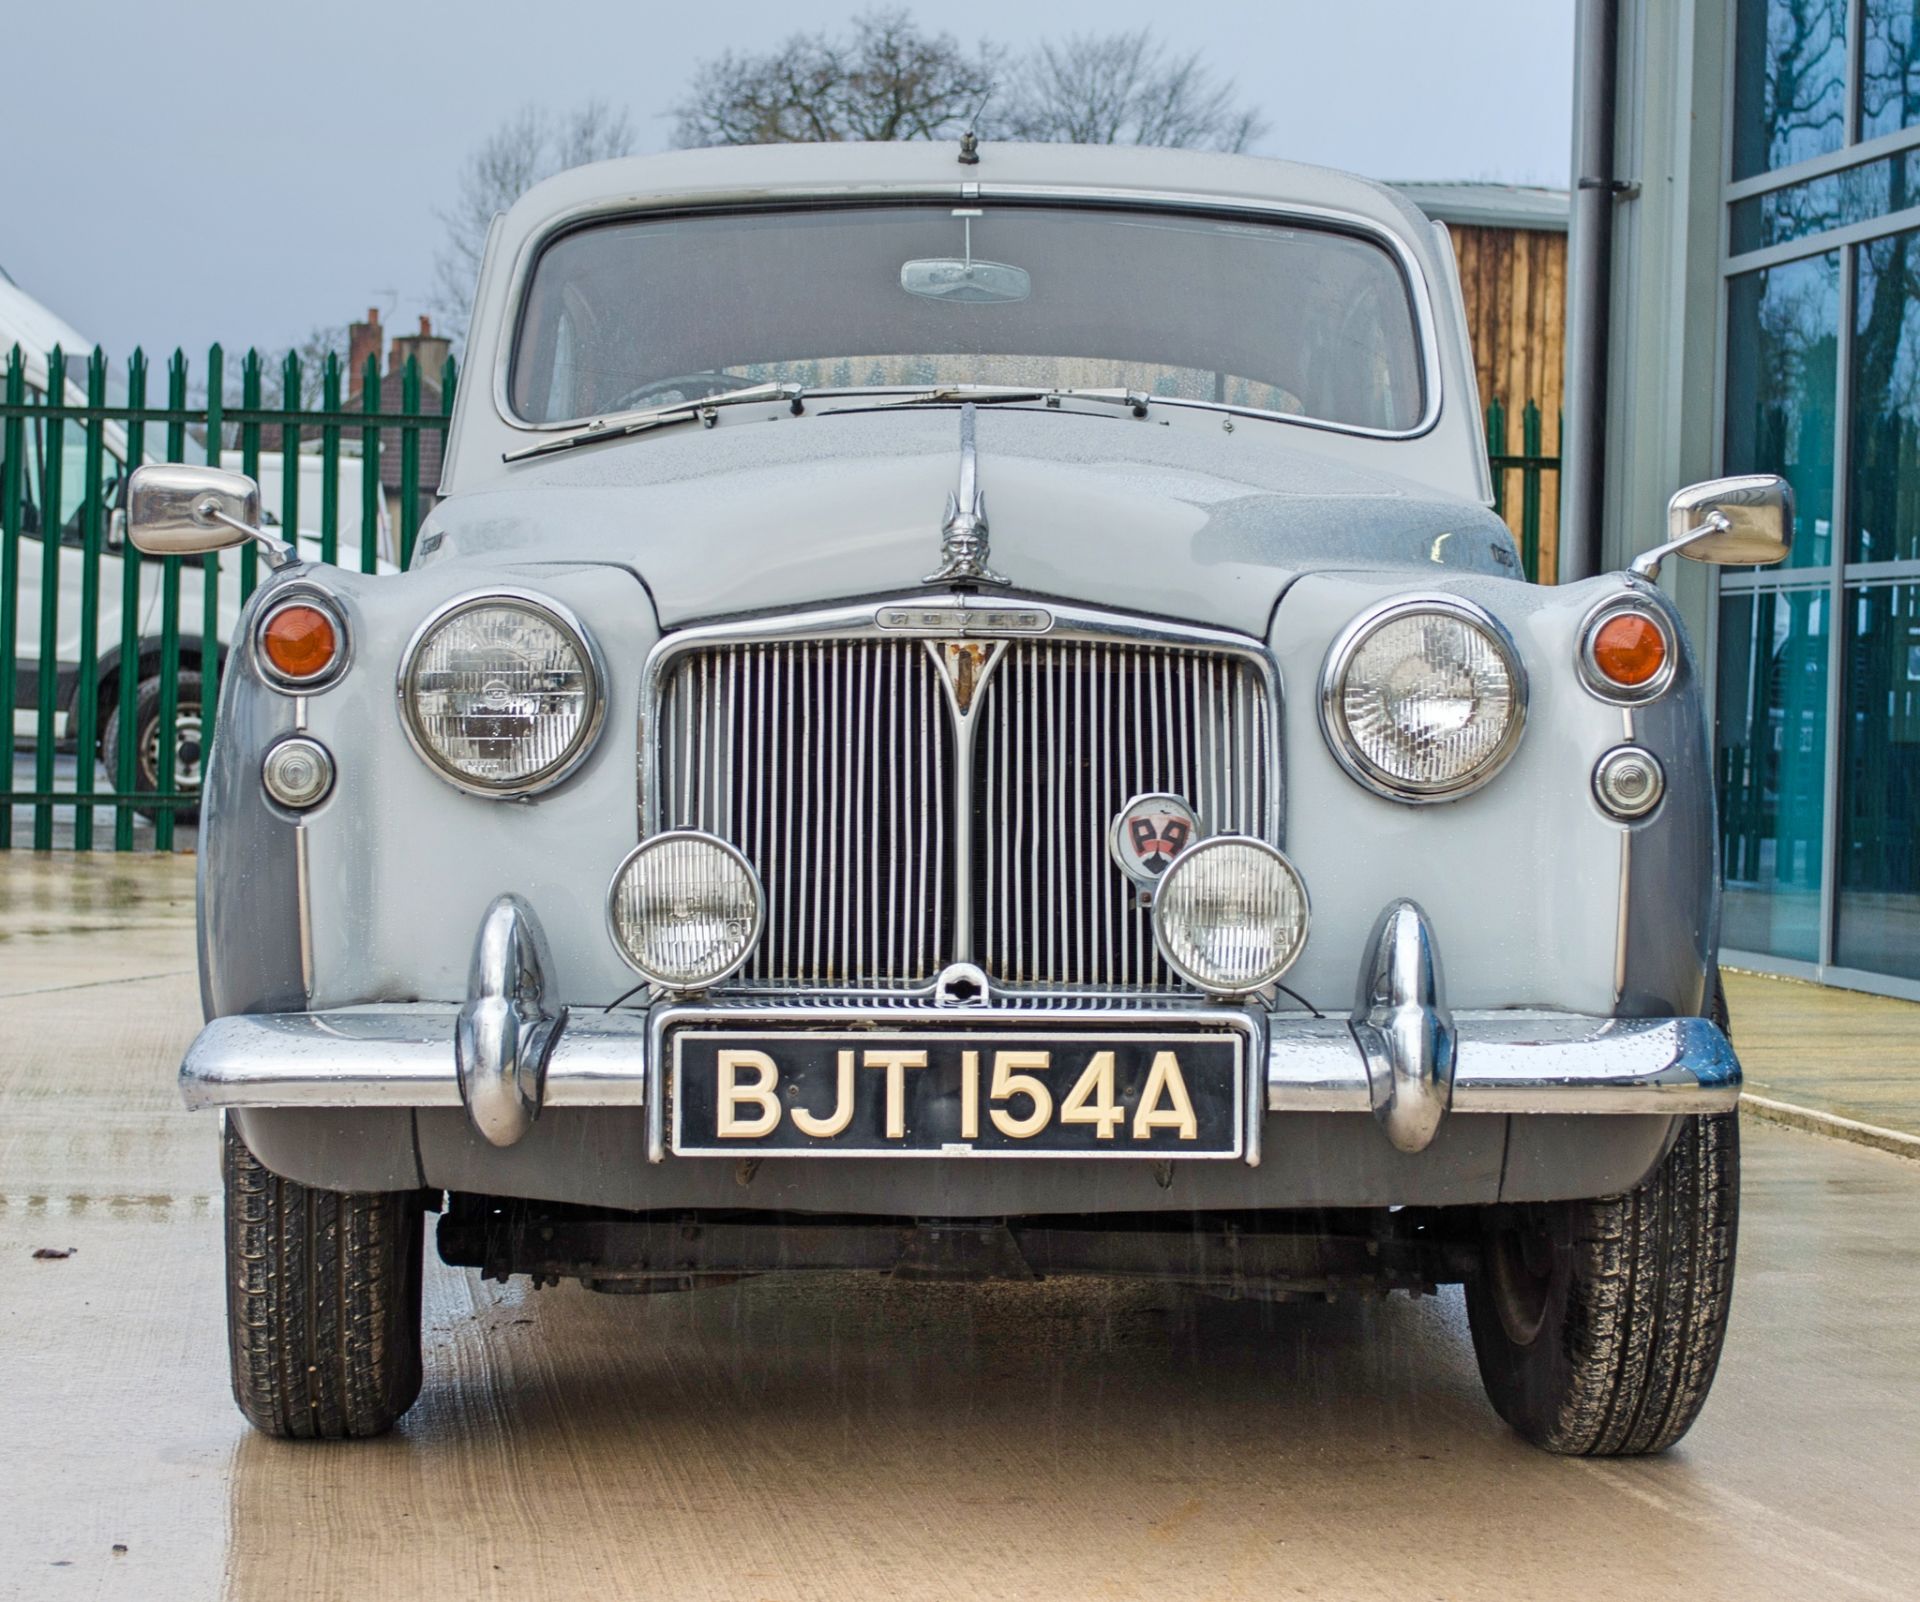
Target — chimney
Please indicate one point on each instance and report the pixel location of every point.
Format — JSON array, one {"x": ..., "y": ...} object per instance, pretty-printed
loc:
[
  {"x": 363, "y": 340},
  {"x": 427, "y": 348}
]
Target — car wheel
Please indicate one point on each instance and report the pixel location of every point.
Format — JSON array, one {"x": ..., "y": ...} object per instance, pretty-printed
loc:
[
  {"x": 1598, "y": 1324},
  {"x": 189, "y": 748},
  {"x": 323, "y": 1302}
]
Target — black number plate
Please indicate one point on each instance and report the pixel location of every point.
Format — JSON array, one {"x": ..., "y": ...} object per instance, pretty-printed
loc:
[{"x": 935, "y": 1093}]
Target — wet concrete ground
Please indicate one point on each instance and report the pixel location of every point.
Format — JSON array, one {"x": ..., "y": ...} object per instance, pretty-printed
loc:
[
  {"x": 844, "y": 1437},
  {"x": 1867, "y": 1062}
]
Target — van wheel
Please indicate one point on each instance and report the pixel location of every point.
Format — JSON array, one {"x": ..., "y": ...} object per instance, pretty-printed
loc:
[
  {"x": 189, "y": 750},
  {"x": 1598, "y": 1324},
  {"x": 323, "y": 1302}
]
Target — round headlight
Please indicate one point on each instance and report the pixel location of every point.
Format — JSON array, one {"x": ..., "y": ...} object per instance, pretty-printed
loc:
[
  {"x": 1423, "y": 700},
  {"x": 685, "y": 910},
  {"x": 1230, "y": 915},
  {"x": 501, "y": 693}
]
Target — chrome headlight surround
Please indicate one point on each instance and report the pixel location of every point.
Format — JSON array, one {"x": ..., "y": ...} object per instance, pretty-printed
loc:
[
  {"x": 1333, "y": 680},
  {"x": 1198, "y": 859},
  {"x": 736, "y": 859},
  {"x": 556, "y": 616}
]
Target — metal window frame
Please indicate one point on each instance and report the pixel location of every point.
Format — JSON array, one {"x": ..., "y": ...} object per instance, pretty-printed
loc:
[{"x": 1839, "y": 575}]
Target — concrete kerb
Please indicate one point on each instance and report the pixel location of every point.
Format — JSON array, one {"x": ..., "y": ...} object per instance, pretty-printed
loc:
[{"x": 1832, "y": 1125}]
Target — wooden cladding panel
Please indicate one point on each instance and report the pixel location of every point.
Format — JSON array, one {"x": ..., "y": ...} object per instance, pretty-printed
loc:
[{"x": 1514, "y": 282}]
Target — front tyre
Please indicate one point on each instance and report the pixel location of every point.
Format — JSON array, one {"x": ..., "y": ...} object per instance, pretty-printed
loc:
[
  {"x": 1598, "y": 1323},
  {"x": 323, "y": 1302}
]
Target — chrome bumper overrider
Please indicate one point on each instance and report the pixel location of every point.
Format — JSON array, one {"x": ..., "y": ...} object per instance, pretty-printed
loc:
[{"x": 508, "y": 1053}]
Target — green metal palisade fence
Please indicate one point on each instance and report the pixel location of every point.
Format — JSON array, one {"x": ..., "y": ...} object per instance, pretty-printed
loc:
[
  {"x": 1532, "y": 465},
  {"x": 93, "y": 603}
]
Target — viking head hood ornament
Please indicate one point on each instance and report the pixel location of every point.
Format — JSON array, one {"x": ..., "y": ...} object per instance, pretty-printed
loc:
[{"x": 963, "y": 537}]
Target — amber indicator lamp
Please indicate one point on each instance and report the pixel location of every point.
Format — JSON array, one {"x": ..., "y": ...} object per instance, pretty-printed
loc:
[
  {"x": 299, "y": 641},
  {"x": 1629, "y": 649}
]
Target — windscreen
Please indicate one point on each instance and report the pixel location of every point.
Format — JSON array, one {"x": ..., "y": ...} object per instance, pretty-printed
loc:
[{"x": 1303, "y": 321}]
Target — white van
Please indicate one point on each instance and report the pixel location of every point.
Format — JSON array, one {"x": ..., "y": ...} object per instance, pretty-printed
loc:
[{"x": 36, "y": 330}]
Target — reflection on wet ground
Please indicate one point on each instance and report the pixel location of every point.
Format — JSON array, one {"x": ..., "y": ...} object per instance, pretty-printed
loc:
[{"x": 845, "y": 1437}]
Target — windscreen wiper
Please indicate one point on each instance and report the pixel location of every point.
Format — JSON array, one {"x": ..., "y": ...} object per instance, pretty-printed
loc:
[
  {"x": 622, "y": 424},
  {"x": 1135, "y": 400}
]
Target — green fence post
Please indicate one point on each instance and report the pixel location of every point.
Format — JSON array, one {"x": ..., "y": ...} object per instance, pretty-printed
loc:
[
  {"x": 13, "y": 452},
  {"x": 127, "y": 681},
  {"x": 251, "y": 401},
  {"x": 210, "y": 570},
  {"x": 1530, "y": 492},
  {"x": 47, "y": 668},
  {"x": 171, "y": 570},
  {"x": 1496, "y": 454},
  {"x": 370, "y": 499},
  {"x": 409, "y": 459},
  {"x": 289, "y": 452},
  {"x": 330, "y": 461},
  {"x": 86, "y": 706}
]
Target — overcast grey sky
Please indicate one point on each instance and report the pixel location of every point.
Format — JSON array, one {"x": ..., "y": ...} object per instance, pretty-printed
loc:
[{"x": 178, "y": 173}]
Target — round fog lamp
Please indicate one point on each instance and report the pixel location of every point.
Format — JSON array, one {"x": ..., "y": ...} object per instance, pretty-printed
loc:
[
  {"x": 298, "y": 773},
  {"x": 1230, "y": 915},
  {"x": 685, "y": 910}
]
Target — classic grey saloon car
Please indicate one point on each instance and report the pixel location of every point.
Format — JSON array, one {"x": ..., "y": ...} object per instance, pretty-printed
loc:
[{"x": 962, "y": 713}]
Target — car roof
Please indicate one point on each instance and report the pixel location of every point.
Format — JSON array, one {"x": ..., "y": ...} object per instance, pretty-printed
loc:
[{"x": 762, "y": 172}]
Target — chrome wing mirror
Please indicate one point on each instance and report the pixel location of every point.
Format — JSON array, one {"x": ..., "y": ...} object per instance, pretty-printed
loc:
[
  {"x": 1736, "y": 522},
  {"x": 177, "y": 510}
]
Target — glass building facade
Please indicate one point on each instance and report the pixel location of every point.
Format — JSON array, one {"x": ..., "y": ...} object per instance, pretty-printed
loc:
[{"x": 1817, "y": 724}]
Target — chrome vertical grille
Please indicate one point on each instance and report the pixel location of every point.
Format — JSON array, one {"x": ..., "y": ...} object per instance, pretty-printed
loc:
[
  {"x": 833, "y": 764},
  {"x": 828, "y": 763},
  {"x": 1073, "y": 731}
]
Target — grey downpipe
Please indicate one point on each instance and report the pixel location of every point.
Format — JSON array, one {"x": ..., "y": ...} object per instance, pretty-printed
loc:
[{"x": 1590, "y": 288}]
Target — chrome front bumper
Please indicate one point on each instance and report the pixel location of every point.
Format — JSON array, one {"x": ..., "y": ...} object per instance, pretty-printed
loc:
[{"x": 1401, "y": 1055}]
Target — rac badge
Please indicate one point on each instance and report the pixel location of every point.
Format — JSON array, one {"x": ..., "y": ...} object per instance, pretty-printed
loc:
[{"x": 1148, "y": 833}]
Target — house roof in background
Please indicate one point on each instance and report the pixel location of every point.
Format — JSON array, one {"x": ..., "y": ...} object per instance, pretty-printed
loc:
[{"x": 1477, "y": 205}]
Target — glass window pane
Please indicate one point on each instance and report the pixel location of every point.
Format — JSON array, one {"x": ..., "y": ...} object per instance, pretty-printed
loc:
[
  {"x": 1298, "y": 320},
  {"x": 1782, "y": 344},
  {"x": 29, "y": 470},
  {"x": 1870, "y": 190},
  {"x": 1889, "y": 68},
  {"x": 1770, "y": 746},
  {"x": 1789, "y": 91},
  {"x": 1879, "y": 845},
  {"x": 73, "y": 485},
  {"x": 1885, "y": 465}
]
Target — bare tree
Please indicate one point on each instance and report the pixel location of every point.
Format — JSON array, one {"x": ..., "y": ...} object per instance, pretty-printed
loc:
[
  {"x": 1125, "y": 89},
  {"x": 322, "y": 341},
  {"x": 532, "y": 144},
  {"x": 884, "y": 80}
]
